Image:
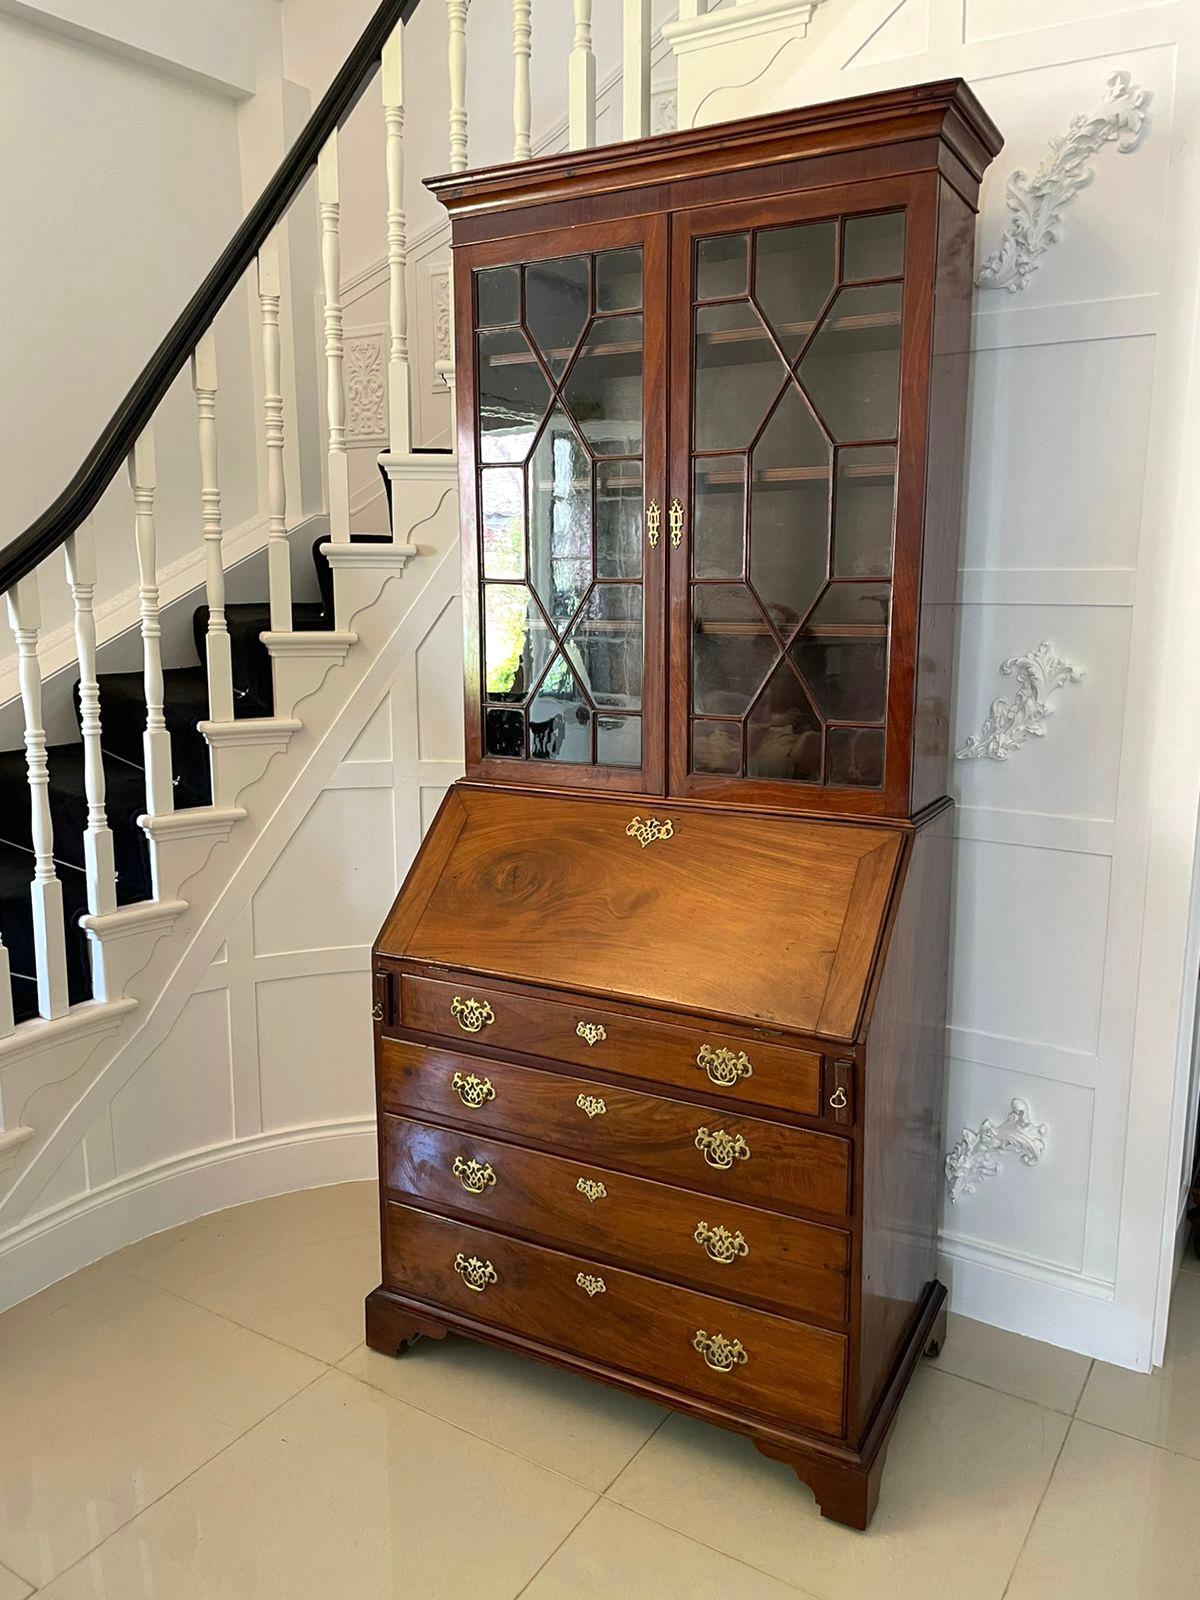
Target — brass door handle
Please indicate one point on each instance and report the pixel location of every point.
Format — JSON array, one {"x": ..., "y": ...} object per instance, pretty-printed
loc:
[
  {"x": 721, "y": 1354},
  {"x": 474, "y": 1176},
  {"x": 723, "y": 1067},
  {"x": 472, "y": 1091},
  {"x": 720, "y": 1244},
  {"x": 722, "y": 1149},
  {"x": 476, "y": 1274},
  {"x": 471, "y": 1014}
]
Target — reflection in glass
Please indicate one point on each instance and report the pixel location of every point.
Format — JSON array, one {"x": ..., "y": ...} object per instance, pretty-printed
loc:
[
  {"x": 718, "y": 512},
  {"x": 857, "y": 607},
  {"x": 503, "y": 732},
  {"x": 794, "y": 271},
  {"x": 716, "y": 747},
  {"x": 604, "y": 390},
  {"x": 721, "y": 266},
  {"x": 863, "y": 511},
  {"x": 852, "y": 368},
  {"x": 732, "y": 648},
  {"x": 619, "y": 519},
  {"x": 513, "y": 395},
  {"x": 619, "y": 280},
  {"x": 498, "y": 296},
  {"x": 789, "y": 511},
  {"x": 855, "y": 756},
  {"x": 848, "y": 677},
  {"x": 738, "y": 374},
  {"x": 560, "y": 519},
  {"x": 783, "y": 733},
  {"x": 559, "y": 718},
  {"x": 516, "y": 642},
  {"x": 502, "y": 521},
  {"x": 605, "y": 646},
  {"x": 618, "y": 741},
  {"x": 556, "y": 307},
  {"x": 874, "y": 246}
]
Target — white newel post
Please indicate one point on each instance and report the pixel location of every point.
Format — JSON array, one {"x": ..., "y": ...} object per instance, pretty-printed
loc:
[
  {"x": 456, "y": 12},
  {"x": 399, "y": 387},
  {"x": 80, "y": 552},
  {"x": 522, "y": 31},
  {"x": 279, "y": 570},
  {"x": 581, "y": 82},
  {"x": 635, "y": 71},
  {"x": 156, "y": 741},
  {"x": 49, "y": 927},
  {"x": 217, "y": 651},
  {"x": 329, "y": 200}
]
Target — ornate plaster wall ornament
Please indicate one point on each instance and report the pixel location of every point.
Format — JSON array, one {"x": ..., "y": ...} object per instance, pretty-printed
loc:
[
  {"x": 1040, "y": 673},
  {"x": 974, "y": 1156},
  {"x": 1037, "y": 203},
  {"x": 366, "y": 388}
]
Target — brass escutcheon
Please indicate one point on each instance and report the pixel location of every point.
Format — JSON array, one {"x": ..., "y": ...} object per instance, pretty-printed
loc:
[
  {"x": 722, "y": 1149},
  {"x": 720, "y": 1244},
  {"x": 592, "y": 1189},
  {"x": 471, "y": 1014},
  {"x": 675, "y": 518},
  {"x": 648, "y": 831},
  {"x": 653, "y": 523},
  {"x": 474, "y": 1273},
  {"x": 472, "y": 1091},
  {"x": 723, "y": 1067},
  {"x": 590, "y": 1285},
  {"x": 592, "y": 1104},
  {"x": 591, "y": 1032},
  {"x": 475, "y": 1176},
  {"x": 721, "y": 1354}
]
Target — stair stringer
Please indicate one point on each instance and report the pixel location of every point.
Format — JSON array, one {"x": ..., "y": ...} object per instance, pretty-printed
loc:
[{"x": 61, "y": 1109}]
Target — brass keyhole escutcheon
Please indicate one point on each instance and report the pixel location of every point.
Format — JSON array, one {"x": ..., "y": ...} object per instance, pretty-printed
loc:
[
  {"x": 653, "y": 523},
  {"x": 675, "y": 519}
]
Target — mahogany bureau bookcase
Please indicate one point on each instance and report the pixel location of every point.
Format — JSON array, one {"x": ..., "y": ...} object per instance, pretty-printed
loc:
[{"x": 659, "y": 1010}]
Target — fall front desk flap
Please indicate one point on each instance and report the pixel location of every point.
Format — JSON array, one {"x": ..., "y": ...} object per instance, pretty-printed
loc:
[{"x": 774, "y": 920}]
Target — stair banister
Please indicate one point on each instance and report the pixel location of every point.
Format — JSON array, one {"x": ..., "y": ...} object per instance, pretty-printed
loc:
[
  {"x": 635, "y": 70},
  {"x": 80, "y": 551},
  {"x": 143, "y": 481},
  {"x": 218, "y": 656},
  {"x": 581, "y": 82},
  {"x": 522, "y": 98},
  {"x": 330, "y": 208},
  {"x": 399, "y": 381},
  {"x": 279, "y": 561}
]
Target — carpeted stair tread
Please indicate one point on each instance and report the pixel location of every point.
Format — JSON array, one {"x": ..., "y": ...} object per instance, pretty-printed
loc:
[
  {"x": 185, "y": 703},
  {"x": 253, "y": 693}
]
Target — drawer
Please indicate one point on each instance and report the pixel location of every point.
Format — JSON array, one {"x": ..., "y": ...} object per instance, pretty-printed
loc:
[
  {"x": 726, "y": 1249},
  {"x": 747, "y": 1070},
  {"x": 707, "y": 1148},
  {"x": 693, "y": 1343}
]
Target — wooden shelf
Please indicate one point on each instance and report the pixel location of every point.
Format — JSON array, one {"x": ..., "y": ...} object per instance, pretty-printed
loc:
[
  {"x": 862, "y": 322},
  {"x": 818, "y": 630},
  {"x": 781, "y": 475}
]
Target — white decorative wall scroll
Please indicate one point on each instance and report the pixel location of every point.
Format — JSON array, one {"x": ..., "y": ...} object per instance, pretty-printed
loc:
[
  {"x": 366, "y": 389},
  {"x": 1040, "y": 673},
  {"x": 974, "y": 1156},
  {"x": 1037, "y": 203},
  {"x": 664, "y": 111},
  {"x": 439, "y": 287}
]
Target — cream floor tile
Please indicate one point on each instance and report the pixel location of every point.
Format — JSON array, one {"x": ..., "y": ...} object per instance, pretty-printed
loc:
[
  {"x": 1118, "y": 1523},
  {"x": 1022, "y": 1367},
  {"x": 965, "y": 1472},
  {"x": 296, "y": 1267},
  {"x": 343, "y": 1494},
  {"x": 109, "y": 1401},
  {"x": 579, "y": 1428},
  {"x": 1161, "y": 1407},
  {"x": 614, "y": 1554},
  {"x": 12, "y": 1587}
]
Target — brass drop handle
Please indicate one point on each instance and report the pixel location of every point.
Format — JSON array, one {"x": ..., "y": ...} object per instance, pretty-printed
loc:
[
  {"x": 471, "y": 1014},
  {"x": 653, "y": 523},
  {"x": 838, "y": 1098},
  {"x": 721, "y": 1354},
  {"x": 591, "y": 1032},
  {"x": 723, "y": 1067},
  {"x": 722, "y": 1149},
  {"x": 474, "y": 1176},
  {"x": 720, "y": 1244},
  {"x": 472, "y": 1091},
  {"x": 476, "y": 1274}
]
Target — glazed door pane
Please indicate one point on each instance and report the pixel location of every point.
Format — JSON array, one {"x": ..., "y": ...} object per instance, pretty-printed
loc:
[
  {"x": 561, "y": 423},
  {"x": 795, "y": 412}
]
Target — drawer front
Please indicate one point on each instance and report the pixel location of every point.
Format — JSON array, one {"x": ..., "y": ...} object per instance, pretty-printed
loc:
[
  {"x": 694, "y": 1343},
  {"x": 726, "y": 1249},
  {"x": 707, "y": 1148},
  {"x": 746, "y": 1070}
]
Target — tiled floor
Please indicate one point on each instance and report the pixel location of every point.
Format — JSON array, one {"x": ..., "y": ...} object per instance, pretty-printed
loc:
[{"x": 197, "y": 1419}]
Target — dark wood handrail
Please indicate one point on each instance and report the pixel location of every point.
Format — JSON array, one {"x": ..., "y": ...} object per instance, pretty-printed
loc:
[{"x": 102, "y": 463}]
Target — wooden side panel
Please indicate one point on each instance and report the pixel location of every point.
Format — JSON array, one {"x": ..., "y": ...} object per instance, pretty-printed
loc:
[
  {"x": 902, "y": 1114},
  {"x": 949, "y": 378}
]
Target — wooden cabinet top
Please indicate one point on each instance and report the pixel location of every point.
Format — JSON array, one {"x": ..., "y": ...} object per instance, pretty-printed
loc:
[{"x": 774, "y": 921}]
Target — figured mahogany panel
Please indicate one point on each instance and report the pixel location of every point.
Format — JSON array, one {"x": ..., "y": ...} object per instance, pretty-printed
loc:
[
  {"x": 770, "y": 920},
  {"x": 787, "y": 1370},
  {"x": 745, "y": 1071},
  {"x": 751, "y": 1256},
  {"x": 745, "y": 1159}
]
